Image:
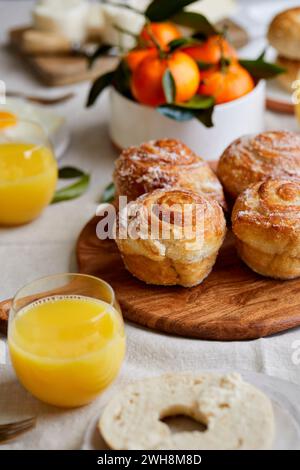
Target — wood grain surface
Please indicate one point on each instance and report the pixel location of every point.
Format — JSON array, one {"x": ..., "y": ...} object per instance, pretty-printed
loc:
[
  {"x": 233, "y": 303},
  {"x": 60, "y": 69},
  {"x": 280, "y": 107}
]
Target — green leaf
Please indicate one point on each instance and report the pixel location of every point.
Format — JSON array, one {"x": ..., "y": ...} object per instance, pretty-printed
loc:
[
  {"x": 205, "y": 116},
  {"x": 68, "y": 172},
  {"x": 259, "y": 69},
  {"x": 204, "y": 65},
  {"x": 182, "y": 42},
  {"x": 73, "y": 191},
  {"x": 98, "y": 86},
  {"x": 262, "y": 55},
  {"x": 198, "y": 102},
  {"x": 195, "y": 21},
  {"x": 200, "y": 37},
  {"x": 122, "y": 78},
  {"x": 201, "y": 108},
  {"x": 108, "y": 194},
  {"x": 175, "y": 112},
  {"x": 101, "y": 51},
  {"x": 161, "y": 10},
  {"x": 169, "y": 86}
]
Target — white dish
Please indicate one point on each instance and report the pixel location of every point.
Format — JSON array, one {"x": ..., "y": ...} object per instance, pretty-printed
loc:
[
  {"x": 285, "y": 400},
  {"x": 54, "y": 125},
  {"x": 132, "y": 123}
]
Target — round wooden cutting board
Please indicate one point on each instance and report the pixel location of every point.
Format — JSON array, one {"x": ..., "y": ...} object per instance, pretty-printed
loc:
[{"x": 233, "y": 303}]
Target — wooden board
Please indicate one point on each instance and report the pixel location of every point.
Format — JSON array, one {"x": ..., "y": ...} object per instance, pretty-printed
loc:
[
  {"x": 280, "y": 107},
  {"x": 60, "y": 69},
  {"x": 233, "y": 303}
]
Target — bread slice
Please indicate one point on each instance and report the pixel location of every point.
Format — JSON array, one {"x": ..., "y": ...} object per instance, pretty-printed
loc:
[{"x": 235, "y": 414}]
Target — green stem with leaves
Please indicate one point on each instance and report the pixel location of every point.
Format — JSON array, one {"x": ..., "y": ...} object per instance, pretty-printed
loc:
[{"x": 161, "y": 52}]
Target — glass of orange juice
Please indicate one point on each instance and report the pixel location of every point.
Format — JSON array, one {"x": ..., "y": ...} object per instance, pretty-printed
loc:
[
  {"x": 28, "y": 171},
  {"x": 66, "y": 338}
]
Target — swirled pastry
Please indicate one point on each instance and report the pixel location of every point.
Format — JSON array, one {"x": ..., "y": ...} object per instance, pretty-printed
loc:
[
  {"x": 266, "y": 223},
  {"x": 161, "y": 164},
  {"x": 170, "y": 237},
  {"x": 251, "y": 159}
]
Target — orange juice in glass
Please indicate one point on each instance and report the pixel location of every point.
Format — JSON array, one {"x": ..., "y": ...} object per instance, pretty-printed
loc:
[
  {"x": 66, "y": 338},
  {"x": 28, "y": 171}
]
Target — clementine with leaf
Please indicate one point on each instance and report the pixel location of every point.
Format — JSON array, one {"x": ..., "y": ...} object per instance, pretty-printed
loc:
[
  {"x": 147, "y": 80},
  {"x": 159, "y": 34},
  {"x": 136, "y": 56},
  {"x": 212, "y": 50},
  {"x": 226, "y": 83}
]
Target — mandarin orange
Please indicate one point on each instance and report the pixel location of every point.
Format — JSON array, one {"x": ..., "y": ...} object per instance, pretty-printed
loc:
[
  {"x": 212, "y": 50},
  {"x": 162, "y": 33},
  {"x": 136, "y": 56},
  {"x": 226, "y": 85},
  {"x": 147, "y": 78}
]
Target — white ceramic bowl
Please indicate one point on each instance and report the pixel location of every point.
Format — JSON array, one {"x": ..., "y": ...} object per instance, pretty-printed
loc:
[{"x": 132, "y": 123}]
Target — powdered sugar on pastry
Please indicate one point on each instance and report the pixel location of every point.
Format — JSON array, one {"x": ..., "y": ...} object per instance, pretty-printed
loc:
[
  {"x": 251, "y": 159},
  {"x": 161, "y": 164},
  {"x": 266, "y": 222}
]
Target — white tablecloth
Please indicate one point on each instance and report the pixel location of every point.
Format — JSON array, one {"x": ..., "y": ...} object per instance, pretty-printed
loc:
[{"x": 47, "y": 246}]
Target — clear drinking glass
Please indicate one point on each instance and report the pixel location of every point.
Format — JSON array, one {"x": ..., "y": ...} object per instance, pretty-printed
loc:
[
  {"x": 28, "y": 171},
  {"x": 66, "y": 338}
]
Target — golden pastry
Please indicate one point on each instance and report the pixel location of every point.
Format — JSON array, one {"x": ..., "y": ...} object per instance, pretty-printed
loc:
[
  {"x": 284, "y": 33},
  {"x": 171, "y": 237},
  {"x": 251, "y": 159},
  {"x": 161, "y": 164},
  {"x": 284, "y": 36},
  {"x": 266, "y": 223}
]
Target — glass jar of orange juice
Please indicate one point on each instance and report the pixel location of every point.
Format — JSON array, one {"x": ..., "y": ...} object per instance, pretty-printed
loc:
[
  {"x": 66, "y": 338},
  {"x": 28, "y": 171}
]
